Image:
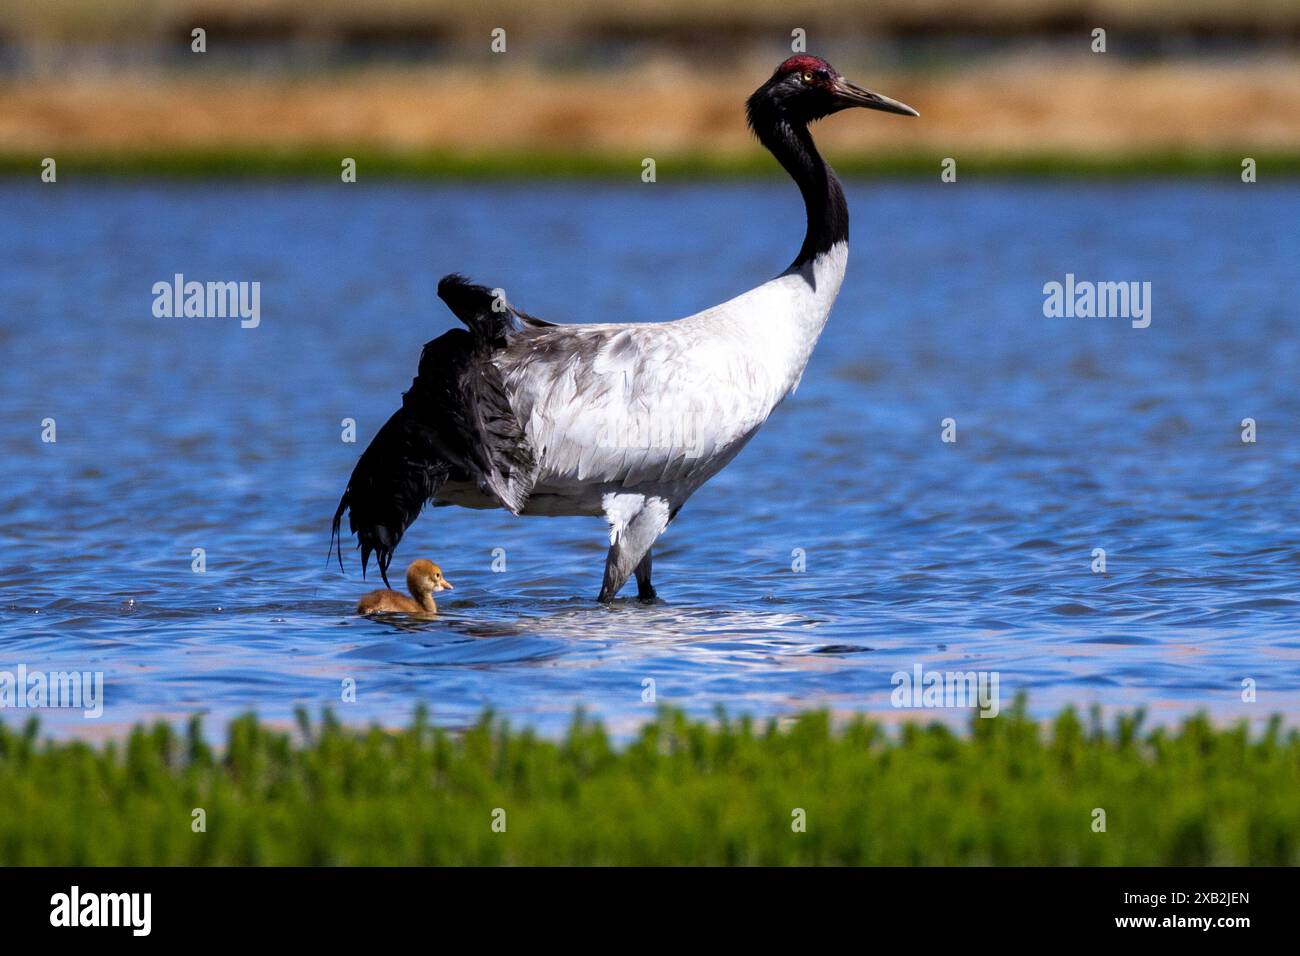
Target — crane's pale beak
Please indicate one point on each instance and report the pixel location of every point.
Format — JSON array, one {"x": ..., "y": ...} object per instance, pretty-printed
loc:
[
  {"x": 447, "y": 585},
  {"x": 850, "y": 94}
]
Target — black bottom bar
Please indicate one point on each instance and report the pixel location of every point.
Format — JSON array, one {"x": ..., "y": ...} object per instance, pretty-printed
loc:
[{"x": 333, "y": 906}]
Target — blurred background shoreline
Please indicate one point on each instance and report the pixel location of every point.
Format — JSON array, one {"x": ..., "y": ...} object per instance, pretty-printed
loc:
[{"x": 583, "y": 88}]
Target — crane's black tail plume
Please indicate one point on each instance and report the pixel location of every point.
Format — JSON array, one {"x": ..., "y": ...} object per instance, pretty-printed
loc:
[
  {"x": 455, "y": 424},
  {"x": 390, "y": 484}
]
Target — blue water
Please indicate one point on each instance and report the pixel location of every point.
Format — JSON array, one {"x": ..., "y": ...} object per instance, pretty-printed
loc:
[{"x": 1072, "y": 434}]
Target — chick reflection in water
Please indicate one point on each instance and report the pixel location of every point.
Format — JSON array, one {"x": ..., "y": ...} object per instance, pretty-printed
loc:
[{"x": 423, "y": 580}]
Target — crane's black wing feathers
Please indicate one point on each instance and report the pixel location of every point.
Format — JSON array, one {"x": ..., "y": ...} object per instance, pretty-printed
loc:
[{"x": 455, "y": 424}]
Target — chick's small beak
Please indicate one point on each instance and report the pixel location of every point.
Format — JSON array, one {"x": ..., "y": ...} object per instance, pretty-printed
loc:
[
  {"x": 446, "y": 584},
  {"x": 850, "y": 94}
]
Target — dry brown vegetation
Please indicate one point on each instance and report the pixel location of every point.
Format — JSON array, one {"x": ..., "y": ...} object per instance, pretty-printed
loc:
[
  {"x": 1036, "y": 106},
  {"x": 640, "y": 77}
]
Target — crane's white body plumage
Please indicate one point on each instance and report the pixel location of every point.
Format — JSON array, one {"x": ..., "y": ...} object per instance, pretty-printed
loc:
[{"x": 623, "y": 413}]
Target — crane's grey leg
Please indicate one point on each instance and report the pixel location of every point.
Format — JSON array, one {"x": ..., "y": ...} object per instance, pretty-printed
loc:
[
  {"x": 635, "y": 523},
  {"x": 645, "y": 591}
]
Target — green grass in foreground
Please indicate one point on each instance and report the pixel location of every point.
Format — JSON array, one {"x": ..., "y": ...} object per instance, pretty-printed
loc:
[
  {"x": 682, "y": 792},
  {"x": 325, "y": 164}
]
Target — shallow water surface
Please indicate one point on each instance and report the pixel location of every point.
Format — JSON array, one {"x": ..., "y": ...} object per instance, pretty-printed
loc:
[{"x": 1072, "y": 434}]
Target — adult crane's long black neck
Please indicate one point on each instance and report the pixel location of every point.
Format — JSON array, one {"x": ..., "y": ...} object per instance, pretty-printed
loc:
[{"x": 792, "y": 145}]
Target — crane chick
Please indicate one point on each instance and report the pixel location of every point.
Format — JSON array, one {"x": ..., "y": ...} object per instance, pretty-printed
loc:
[{"x": 423, "y": 580}]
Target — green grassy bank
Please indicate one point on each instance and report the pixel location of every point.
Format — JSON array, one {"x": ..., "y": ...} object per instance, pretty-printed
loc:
[
  {"x": 325, "y": 164},
  {"x": 1010, "y": 792}
]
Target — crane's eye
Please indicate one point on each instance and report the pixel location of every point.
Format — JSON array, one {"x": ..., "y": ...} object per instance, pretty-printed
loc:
[{"x": 807, "y": 77}]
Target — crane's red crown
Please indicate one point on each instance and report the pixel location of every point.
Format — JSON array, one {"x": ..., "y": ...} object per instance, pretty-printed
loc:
[{"x": 805, "y": 63}]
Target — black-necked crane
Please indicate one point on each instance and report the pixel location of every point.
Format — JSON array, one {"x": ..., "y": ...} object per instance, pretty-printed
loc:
[{"x": 516, "y": 413}]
